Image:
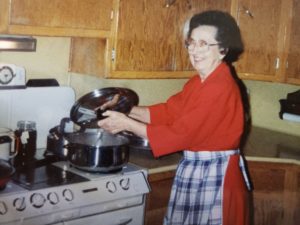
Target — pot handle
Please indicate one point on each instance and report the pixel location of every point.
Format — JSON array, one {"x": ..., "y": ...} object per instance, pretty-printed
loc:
[
  {"x": 5, "y": 139},
  {"x": 63, "y": 123},
  {"x": 10, "y": 138}
]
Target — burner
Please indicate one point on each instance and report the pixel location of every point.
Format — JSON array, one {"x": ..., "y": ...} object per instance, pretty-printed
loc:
[{"x": 42, "y": 175}]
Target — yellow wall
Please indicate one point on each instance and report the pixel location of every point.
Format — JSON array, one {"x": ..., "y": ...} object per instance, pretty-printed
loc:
[{"x": 52, "y": 58}]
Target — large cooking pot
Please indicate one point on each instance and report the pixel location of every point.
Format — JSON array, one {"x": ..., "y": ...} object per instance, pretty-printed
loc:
[
  {"x": 6, "y": 171},
  {"x": 98, "y": 151}
]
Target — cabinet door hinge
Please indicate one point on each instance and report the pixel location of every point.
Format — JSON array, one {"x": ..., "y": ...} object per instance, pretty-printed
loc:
[
  {"x": 113, "y": 54},
  {"x": 277, "y": 63}
]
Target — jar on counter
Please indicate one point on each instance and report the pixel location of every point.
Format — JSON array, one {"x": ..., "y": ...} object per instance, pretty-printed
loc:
[{"x": 25, "y": 142}]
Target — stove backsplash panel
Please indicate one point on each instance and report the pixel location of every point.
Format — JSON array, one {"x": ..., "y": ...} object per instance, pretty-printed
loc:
[{"x": 44, "y": 105}]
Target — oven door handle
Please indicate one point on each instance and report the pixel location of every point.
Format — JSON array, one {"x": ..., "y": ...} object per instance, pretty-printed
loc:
[{"x": 123, "y": 221}]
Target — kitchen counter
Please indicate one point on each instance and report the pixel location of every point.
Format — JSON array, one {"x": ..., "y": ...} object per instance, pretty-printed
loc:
[{"x": 261, "y": 145}]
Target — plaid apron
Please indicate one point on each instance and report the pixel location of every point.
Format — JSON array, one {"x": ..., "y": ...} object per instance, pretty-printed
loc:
[{"x": 196, "y": 195}]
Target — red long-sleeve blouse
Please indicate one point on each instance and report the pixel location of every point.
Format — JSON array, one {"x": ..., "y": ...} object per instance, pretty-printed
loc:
[{"x": 203, "y": 116}]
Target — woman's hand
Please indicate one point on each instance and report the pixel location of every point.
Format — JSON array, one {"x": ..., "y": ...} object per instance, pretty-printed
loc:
[
  {"x": 115, "y": 122},
  {"x": 109, "y": 104}
]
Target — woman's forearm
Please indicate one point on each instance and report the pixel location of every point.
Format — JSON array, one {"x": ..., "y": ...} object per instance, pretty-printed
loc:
[
  {"x": 140, "y": 113},
  {"x": 138, "y": 128}
]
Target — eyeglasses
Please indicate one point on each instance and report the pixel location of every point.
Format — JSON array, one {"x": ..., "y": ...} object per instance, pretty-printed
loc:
[{"x": 191, "y": 44}]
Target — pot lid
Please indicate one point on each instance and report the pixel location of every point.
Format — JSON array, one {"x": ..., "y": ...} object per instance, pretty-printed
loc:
[{"x": 89, "y": 108}]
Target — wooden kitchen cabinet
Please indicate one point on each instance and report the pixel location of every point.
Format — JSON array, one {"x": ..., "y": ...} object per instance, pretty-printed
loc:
[
  {"x": 149, "y": 38},
  {"x": 293, "y": 56},
  {"x": 275, "y": 198},
  {"x": 88, "y": 56},
  {"x": 262, "y": 26},
  {"x": 276, "y": 193},
  {"x": 271, "y": 33},
  {"x": 146, "y": 40},
  {"x": 89, "y": 18}
]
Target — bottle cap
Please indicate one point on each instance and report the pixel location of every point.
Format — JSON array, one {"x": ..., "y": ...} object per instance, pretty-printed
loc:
[{"x": 26, "y": 125}]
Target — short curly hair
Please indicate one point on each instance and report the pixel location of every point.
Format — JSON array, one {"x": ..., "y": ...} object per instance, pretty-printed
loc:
[{"x": 228, "y": 32}]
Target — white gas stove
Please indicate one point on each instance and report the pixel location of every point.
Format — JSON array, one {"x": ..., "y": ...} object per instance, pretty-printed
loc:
[
  {"x": 53, "y": 192},
  {"x": 58, "y": 193}
]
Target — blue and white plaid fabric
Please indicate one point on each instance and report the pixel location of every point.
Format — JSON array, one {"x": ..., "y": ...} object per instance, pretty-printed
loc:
[{"x": 196, "y": 196}]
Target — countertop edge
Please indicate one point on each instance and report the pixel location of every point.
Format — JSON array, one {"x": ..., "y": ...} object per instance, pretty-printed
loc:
[
  {"x": 274, "y": 160},
  {"x": 162, "y": 169}
]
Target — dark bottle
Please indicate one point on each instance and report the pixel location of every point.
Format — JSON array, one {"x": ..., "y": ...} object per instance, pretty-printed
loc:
[{"x": 25, "y": 142}]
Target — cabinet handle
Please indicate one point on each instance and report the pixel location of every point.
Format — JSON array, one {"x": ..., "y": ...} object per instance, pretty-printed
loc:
[
  {"x": 169, "y": 3},
  {"x": 277, "y": 63},
  {"x": 246, "y": 10},
  {"x": 112, "y": 14},
  {"x": 113, "y": 54}
]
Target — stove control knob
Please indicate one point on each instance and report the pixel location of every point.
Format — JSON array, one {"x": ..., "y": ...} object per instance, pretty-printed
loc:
[
  {"x": 19, "y": 203},
  {"x": 37, "y": 200},
  {"x": 125, "y": 183},
  {"x": 3, "y": 208},
  {"x": 111, "y": 187},
  {"x": 68, "y": 195},
  {"x": 53, "y": 198}
]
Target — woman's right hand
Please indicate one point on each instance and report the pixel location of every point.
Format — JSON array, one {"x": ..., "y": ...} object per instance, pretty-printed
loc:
[{"x": 117, "y": 122}]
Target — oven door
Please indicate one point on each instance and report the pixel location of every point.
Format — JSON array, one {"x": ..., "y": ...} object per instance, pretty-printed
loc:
[{"x": 127, "y": 216}]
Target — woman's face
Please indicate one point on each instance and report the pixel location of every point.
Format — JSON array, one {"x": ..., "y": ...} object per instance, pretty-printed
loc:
[{"x": 203, "y": 49}]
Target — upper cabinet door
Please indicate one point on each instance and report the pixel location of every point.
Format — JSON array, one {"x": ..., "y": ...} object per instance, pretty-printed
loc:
[
  {"x": 149, "y": 39},
  {"x": 293, "y": 57},
  {"x": 262, "y": 31},
  {"x": 146, "y": 37},
  {"x": 88, "y": 18}
]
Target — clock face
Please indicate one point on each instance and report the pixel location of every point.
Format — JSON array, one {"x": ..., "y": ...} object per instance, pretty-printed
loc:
[{"x": 6, "y": 75}]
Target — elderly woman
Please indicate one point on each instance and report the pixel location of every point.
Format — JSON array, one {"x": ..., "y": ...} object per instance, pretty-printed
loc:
[{"x": 205, "y": 121}]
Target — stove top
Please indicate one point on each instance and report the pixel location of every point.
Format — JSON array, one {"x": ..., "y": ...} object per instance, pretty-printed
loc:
[
  {"x": 32, "y": 178},
  {"x": 41, "y": 174},
  {"x": 52, "y": 172}
]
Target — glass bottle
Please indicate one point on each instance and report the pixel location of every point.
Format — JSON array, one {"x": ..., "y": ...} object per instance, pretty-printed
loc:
[{"x": 25, "y": 142}]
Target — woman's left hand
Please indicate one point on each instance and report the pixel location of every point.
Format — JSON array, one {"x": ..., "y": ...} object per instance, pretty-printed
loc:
[{"x": 115, "y": 122}]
